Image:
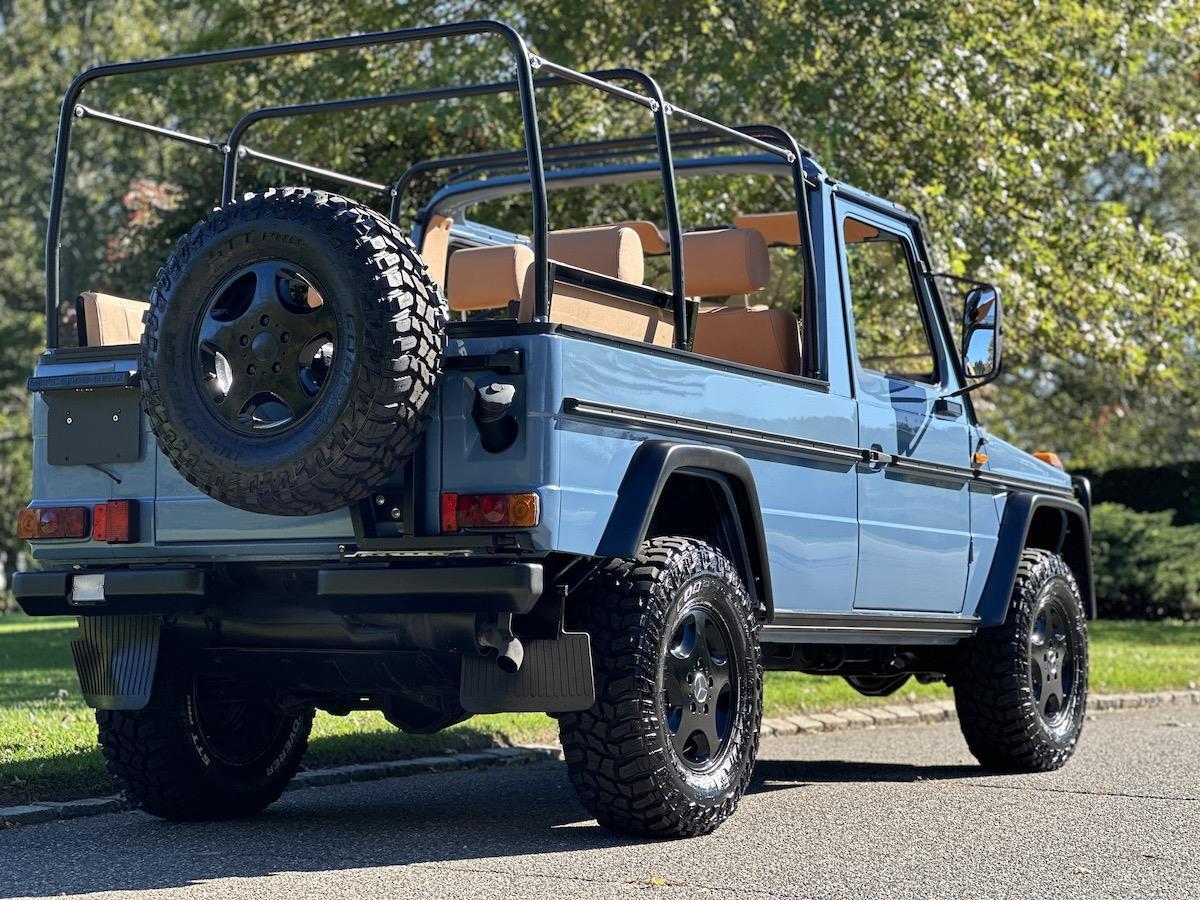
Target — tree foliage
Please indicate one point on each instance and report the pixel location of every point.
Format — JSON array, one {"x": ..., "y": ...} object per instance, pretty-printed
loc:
[{"x": 1050, "y": 147}]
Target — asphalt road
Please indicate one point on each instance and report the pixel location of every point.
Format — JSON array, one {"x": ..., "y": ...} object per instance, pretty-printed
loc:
[{"x": 892, "y": 813}]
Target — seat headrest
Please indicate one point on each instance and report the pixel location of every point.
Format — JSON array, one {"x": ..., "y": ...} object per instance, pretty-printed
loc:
[
  {"x": 486, "y": 277},
  {"x": 779, "y": 229},
  {"x": 104, "y": 320},
  {"x": 726, "y": 262},
  {"x": 653, "y": 241},
  {"x": 612, "y": 250}
]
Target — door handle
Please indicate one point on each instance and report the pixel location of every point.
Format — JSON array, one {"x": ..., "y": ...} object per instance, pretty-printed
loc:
[{"x": 875, "y": 456}]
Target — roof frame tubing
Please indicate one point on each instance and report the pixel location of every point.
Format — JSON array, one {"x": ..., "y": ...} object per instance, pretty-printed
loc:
[
  {"x": 524, "y": 82},
  {"x": 183, "y": 137},
  {"x": 488, "y": 161},
  {"x": 562, "y": 77}
]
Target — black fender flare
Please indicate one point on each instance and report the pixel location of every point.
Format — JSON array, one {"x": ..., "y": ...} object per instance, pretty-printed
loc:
[
  {"x": 1037, "y": 520},
  {"x": 652, "y": 465}
]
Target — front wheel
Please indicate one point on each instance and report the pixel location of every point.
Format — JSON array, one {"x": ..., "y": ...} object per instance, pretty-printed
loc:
[
  {"x": 203, "y": 749},
  {"x": 669, "y": 746},
  {"x": 1021, "y": 688}
]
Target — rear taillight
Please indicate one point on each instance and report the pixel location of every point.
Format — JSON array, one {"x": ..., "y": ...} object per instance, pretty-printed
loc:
[
  {"x": 115, "y": 522},
  {"x": 461, "y": 511},
  {"x": 52, "y": 522}
]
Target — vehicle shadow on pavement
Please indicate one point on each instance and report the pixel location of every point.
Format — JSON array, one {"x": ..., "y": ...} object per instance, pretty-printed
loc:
[
  {"x": 778, "y": 774},
  {"x": 481, "y": 816}
]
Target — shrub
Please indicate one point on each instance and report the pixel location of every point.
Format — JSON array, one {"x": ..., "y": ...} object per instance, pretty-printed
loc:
[{"x": 1146, "y": 568}]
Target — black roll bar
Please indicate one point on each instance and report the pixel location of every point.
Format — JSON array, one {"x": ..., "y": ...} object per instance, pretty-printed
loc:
[
  {"x": 778, "y": 142},
  {"x": 524, "y": 80}
]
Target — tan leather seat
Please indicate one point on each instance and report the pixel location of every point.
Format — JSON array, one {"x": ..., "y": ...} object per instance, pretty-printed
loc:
[
  {"x": 728, "y": 263},
  {"x": 753, "y": 336},
  {"x": 654, "y": 242},
  {"x": 486, "y": 277},
  {"x": 724, "y": 263},
  {"x": 612, "y": 250},
  {"x": 435, "y": 247},
  {"x": 107, "y": 321},
  {"x": 779, "y": 229}
]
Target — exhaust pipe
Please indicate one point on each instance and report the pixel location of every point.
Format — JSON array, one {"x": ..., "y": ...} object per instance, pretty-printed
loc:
[{"x": 498, "y": 635}]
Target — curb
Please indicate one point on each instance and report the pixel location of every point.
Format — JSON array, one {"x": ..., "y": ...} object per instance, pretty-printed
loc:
[{"x": 842, "y": 720}]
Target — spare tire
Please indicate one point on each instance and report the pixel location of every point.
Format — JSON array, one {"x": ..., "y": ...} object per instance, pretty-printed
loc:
[{"x": 291, "y": 350}]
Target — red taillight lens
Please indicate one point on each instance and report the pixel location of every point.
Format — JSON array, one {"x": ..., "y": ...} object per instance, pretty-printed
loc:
[
  {"x": 461, "y": 511},
  {"x": 52, "y": 522},
  {"x": 115, "y": 521},
  {"x": 449, "y": 513}
]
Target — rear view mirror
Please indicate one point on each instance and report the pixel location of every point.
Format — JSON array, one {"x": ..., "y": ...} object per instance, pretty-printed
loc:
[{"x": 981, "y": 333}]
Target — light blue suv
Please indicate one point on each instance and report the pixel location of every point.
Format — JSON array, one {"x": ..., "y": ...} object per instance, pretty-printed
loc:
[{"x": 611, "y": 471}]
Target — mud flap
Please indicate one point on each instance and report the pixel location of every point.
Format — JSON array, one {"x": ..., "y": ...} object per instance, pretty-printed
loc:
[
  {"x": 115, "y": 657},
  {"x": 556, "y": 676}
]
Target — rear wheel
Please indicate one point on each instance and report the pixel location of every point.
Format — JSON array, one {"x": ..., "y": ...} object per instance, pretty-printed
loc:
[
  {"x": 669, "y": 746},
  {"x": 1021, "y": 687},
  {"x": 203, "y": 749}
]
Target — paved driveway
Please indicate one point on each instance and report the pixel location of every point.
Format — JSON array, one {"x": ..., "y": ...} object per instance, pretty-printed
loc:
[{"x": 892, "y": 813}]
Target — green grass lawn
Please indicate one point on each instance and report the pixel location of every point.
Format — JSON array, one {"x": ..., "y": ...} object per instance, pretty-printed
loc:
[{"x": 48, "y": 737}]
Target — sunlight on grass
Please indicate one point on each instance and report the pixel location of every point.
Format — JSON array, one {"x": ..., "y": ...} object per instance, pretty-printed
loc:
[{"x": 48, "y": 736}]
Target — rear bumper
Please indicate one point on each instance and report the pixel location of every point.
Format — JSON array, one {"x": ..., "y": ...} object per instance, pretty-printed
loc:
[
  {"x": 123, "y": 592},
  {"x": 346, "y": 590}
]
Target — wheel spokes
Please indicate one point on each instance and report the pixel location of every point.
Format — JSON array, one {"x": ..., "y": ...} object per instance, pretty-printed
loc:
[
  {"x": 698, "y": 684},
  {"x": 265, "y": 347}
]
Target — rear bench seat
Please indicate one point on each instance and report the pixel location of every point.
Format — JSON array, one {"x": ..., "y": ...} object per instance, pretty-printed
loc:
[
  {"x": 723, "y": 263},
  {"x": 491, "y": 277}
]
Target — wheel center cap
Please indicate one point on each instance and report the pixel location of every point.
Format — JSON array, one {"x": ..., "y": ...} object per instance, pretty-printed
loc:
[
  {"x": 263, "y": 346},
  {"x": 699, "y": 687}
]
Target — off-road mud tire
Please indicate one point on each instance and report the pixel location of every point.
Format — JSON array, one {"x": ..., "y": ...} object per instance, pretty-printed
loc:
[
  {"x": 370, "y": 416},
  {"x": 997, "y": 707},
  {"x": 619, "y": 752},
  {"x": 161, "y": 757}
]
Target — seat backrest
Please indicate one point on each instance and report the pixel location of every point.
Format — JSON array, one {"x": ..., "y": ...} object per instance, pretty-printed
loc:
[
  {"x": 732, "y": 262},
  {"x": 480, "y": 278},
  {"x": 612, "y": 250},
  {"x": 753, "y": 336},
  {"x": 107, "y": 321},
  {"x": 435, "y": 247},
  {"x": 725, "y": 263}
]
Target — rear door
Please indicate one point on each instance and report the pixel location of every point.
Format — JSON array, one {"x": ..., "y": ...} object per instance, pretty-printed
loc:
[{"x": 914, "y": 519}]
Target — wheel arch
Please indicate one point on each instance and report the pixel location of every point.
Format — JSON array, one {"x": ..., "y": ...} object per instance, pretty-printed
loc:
[
  {"x": 658, "y": 492},
  {"x": 1044, "y": 522}
]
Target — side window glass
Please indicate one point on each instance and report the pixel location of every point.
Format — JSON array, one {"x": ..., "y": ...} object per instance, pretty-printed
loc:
[{"x": 891, "y": 334}]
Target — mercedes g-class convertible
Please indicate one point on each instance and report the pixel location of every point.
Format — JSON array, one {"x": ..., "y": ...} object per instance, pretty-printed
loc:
[{"x": 611, "y": 471}]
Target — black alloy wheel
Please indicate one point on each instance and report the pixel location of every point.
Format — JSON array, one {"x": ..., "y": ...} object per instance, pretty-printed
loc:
[
  {"x": 1053, "y": 662},
  {"x": 668, "y": 748},
  {"x": 203, "y": 748},
  {"x": 292, "y": 352},
  {"x": 264, "y": 346},
  {"x": 700, "y": 682}
]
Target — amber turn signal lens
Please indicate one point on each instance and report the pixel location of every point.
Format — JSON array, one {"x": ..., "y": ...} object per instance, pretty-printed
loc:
[
  {"x": 461, "y": 511},
  {"x": 52, "y": 522},
  {"x": 1050, "y": 459}
]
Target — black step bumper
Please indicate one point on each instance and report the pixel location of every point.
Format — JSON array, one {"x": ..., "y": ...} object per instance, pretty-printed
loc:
[{"x": 351, "y": 589}]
